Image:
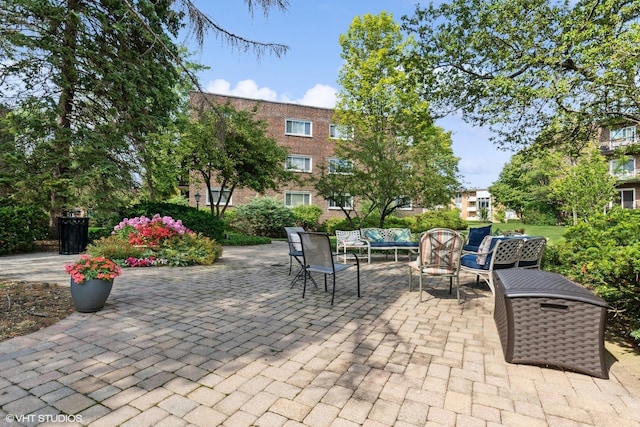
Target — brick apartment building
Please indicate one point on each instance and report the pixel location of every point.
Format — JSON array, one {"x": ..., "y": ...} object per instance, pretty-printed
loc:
[
  {"x": 619, "y": 140},
  {"x": 309, "y": 136}
]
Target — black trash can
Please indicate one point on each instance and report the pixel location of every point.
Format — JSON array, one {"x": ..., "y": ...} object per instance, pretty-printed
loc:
[{"x": 74, "y": 235}]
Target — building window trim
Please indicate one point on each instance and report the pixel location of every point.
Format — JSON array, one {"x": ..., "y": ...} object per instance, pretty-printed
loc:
[
  {"x": 621, "y": 137},
  {"x": 305, "y": 160},
  {"x": 631, "y": 204},
  {"x": 404, "y": 203},
  {"x": 341, "y": 132},
  {"x": 340, "y": 166},
  {"x": 335, "y": 206},
  {"x": 623, "y": 170},
  {"x": 215, "y": 194},
  {"x": 289, "y": 195},
  {"x": 298, "y": 127}
]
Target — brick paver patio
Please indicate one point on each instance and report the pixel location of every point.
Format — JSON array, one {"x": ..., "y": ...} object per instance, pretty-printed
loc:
[{"x": 233, "y": 345}]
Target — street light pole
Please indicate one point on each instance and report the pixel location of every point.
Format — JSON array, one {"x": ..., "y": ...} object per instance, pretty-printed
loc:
[{"x": 197, "y": 197}]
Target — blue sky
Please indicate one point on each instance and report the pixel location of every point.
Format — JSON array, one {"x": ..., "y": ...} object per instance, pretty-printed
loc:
[{"x": 307, "y": 74}]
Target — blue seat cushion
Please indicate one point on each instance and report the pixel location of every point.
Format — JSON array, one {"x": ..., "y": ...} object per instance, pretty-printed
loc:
[
  {"x": 470, "y": 248},
  {"x": 469, "y": 260},
  {"x": 394, "y": 244},
  {"x": 527, "y": 263},
  {"x": 476, "y": 235}
]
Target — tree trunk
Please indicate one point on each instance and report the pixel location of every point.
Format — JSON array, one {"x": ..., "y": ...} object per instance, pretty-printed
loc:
[{"x": 58, "y": 194}]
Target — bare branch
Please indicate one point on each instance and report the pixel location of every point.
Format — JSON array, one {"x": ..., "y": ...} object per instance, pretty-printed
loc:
[{"x": 201, "y": 24}]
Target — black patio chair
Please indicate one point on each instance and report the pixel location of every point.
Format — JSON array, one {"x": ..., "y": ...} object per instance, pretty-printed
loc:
[{"x": 318, "y": 257}]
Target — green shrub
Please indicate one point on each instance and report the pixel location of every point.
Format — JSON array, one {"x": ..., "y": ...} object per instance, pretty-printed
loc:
[
  {"x": 307, "y": 216},
  {"x": 96, "y": 233},
  {"x": 21, "y": 227},
  {"x": 332, "y": 224},
  {"x": 539, "y": 217},
  {"x": 264, "y": 216},
  {"x": 237, "y": 239},
  {"x": 604, "y": 255},
  {"x": 435, "y": 219},
  {"x": 116, "y": 247}
]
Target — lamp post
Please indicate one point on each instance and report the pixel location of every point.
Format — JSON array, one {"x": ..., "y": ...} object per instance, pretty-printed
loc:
[{"x": 197, "y": 197}]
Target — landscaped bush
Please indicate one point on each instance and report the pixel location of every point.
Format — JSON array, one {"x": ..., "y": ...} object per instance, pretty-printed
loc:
[
  {"x": 21, "y": 227},
  {"x": 264, "y": 216},
  {"x": 143, "y": 241},
  {"x": 332, "y": 224},
  {"x": 435, "y": 219},
  {"x": 307, "y": 216},
  {"x": 604, "y": 255}
]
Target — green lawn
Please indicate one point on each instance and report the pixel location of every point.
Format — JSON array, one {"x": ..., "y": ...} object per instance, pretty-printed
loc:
[{"x": 552, "y": 232}]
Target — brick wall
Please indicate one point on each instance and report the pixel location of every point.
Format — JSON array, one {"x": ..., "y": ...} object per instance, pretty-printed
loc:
[{"x": 319, "y": 146}]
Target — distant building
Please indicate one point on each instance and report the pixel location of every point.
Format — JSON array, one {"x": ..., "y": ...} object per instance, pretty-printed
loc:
[
  {"x": 477, "y": 204},
  {"x": 621, "y": 146},
  {"x": 309, "y": 135}
]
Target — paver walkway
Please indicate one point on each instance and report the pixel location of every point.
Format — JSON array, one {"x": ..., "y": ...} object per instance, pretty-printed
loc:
[{"x": 233, "y": 345}]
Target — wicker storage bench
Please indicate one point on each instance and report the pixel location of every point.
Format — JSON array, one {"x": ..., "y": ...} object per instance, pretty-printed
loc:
[{"x": 545, "y": 319}]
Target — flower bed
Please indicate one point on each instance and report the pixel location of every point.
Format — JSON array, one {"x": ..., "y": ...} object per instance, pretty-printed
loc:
[{"x": 146, "y": 242}]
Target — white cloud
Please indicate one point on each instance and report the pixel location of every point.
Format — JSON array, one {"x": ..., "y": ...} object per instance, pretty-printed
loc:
[
  {"x": 318, "y": 96},
  {"x": 244, "y": 89},
  {"x": 480, "y": 161}
]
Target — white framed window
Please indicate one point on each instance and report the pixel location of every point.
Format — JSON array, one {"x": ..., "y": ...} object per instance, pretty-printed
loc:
[
  {"x": 340, "y": 166},
  {"x": 622, "y": 136},
  {"x": 219, "y": 198},
  {"x": 340, "y": 132},
  {"x": 404, "y": 203},
  {"x": 297, "y": 198},
  {"x": 627, "y": 198},
  {"x": 623, "y": 169},
  {"x": 298, "y": 163},
  {"x": 298, "y": 127},
  {"x": 342, "y": 201}
]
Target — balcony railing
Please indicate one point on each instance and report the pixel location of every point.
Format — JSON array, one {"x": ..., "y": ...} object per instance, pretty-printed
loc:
[
  {"x": 626, "y": 174},
  {"x": 622, "y": 142}
]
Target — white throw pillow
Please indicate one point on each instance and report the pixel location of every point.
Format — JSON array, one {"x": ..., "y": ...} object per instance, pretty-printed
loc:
[{"x": 483, "y": 250}]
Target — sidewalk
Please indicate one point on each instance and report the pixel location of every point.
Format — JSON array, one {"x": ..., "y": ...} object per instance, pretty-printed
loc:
[{"x": 231, "y": 344}]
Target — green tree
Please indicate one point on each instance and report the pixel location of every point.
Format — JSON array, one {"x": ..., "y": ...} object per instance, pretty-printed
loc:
[
  {"x": 234, "y": 152},
  {"x": 86, "y": 88},
  {"x": 90, "y": 87},
  {"x": 523, "y": 185},
  {"x": 523, "y": 66},
  {"x": 394, "y": 152},
  {"x": 584, "y": 188}
]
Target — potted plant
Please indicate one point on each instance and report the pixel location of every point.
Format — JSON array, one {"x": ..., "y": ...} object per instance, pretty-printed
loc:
[{"x": 91, "y": 281}]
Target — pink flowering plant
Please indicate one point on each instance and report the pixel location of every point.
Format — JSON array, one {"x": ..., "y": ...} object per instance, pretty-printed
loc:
[
  {"x": 143, "y": 231},
  {"x": 155, "y": 241},
  {"x": 92, "y": 267}
]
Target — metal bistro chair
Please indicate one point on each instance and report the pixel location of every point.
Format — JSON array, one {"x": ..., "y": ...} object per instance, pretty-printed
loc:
[
  {"x": 438, "y": 255},
  {"x": 318, "y": 257},
  {"x": 295, "y": 251}
]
